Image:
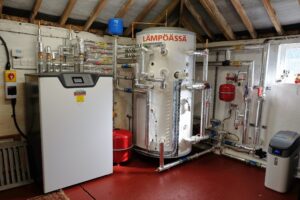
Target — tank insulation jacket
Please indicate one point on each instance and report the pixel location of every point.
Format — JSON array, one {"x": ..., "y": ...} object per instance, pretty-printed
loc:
[
  {"x": 122, "y": 144},
  {"x": 227, "y": 92}
]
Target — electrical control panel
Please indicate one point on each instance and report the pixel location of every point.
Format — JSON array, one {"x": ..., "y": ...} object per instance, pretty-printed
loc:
[{"x": 10, "y": 86}]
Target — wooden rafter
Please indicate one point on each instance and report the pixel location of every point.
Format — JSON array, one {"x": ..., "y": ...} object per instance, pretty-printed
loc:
[
  {"x": 167, "y": 9},
  {"x": 142, "y": 15},
  {"x": 1, "y": 7},
  {"x": 35, "y": 9},
  {"x": 244, "y": 17},
  {"x": 123, "y": 10},
  {"x": 173, "y": 22},
  {"x": 198, "y": 18},
  {"x": 67, "y": 11},
  {"x": 181, "y": 12},
  {"x": 273, "y": 17},
  {"x": 186, "y": 23},
  {"x": 94, "y": 15},
  {"x": 213, "y": 11}
]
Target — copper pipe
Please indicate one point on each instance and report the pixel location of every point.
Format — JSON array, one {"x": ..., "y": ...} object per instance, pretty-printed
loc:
[{"x": 161, "y": 155}]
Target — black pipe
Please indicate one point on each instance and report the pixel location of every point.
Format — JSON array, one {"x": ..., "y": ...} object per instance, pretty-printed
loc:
[
  {"x": 7, "y": 66},
  {"x": 215, "y": 91},
  {"x": 13, "y": 105}
]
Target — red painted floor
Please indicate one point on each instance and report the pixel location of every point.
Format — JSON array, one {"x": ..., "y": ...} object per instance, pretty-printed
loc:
[{"x": 210, "y": 177}]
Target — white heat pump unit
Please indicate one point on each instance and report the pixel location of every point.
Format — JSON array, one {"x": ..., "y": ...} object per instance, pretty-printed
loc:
[{"x": 69, "y": 124}]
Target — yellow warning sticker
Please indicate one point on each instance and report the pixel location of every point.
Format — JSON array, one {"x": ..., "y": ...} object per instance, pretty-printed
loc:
[{"x": 80, "y": 96}]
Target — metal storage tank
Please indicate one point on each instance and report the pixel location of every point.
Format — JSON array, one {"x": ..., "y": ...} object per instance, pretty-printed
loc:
[{"x": 165, "y": 113}]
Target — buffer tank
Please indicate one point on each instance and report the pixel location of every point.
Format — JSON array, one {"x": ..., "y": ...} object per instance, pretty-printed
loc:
[{"x": 164, "y": 114}]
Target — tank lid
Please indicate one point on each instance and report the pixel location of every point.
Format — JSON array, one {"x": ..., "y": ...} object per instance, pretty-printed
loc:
[{"x": 165, "y": 30}]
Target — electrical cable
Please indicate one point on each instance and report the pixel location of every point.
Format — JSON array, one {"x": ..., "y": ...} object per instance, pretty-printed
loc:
[
  {"x": 87, "y": 192},
  {"x": 13, "y": 101},
  {"x": 232, "y": 134},
  {"x": 7, "y": 66},
  {"x": 230, "y": 111},
  {"x": 13, "y": 105}
]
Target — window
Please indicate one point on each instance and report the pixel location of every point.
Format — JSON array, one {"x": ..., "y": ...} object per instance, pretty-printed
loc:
[{"x": 289, "y": 63}]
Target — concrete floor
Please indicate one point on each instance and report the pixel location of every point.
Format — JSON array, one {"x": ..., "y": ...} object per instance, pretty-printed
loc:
[{"x": 210, "y": 177}]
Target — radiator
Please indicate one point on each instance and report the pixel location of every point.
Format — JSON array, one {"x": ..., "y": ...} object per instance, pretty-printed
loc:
[{"x": 14, "y": 166}]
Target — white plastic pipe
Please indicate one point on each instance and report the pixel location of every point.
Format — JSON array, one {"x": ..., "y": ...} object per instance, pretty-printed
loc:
[{"x": 183, "y": 160}]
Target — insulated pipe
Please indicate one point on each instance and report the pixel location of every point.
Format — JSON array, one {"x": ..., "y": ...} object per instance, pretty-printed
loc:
[
  {"x": 160, "y": 80},
  {"x": 249, "y": 64},
  {"x": 265, "y": 67},
  {"x": 148, "y": 105},
  {"x": 257, "y": 125},
  {"x": 239, "y": 146},
  {"x": 247, "y": 161},
  {"x": 237, "y": 47},
  {"x": 115, "y": 52},
  {"x": 245, "y": 121},
  {"x": 204, "y": 112},
  {"x": 49, "y": 67},
  {"x": 40, "y": 51},
  {"x": 183, "y": 160},
  {"x": 260, "y": 100},
  {"x": 81, "y": 48},
  {"x": 204, "y": 104},
  {"x": 115, "y": 74},
  {"x": 197, "y": 86},
  {"x": 143, "y": 62}
]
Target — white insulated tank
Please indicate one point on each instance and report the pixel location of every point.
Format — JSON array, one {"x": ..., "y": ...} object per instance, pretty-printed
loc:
[{"x": 165, "y": 113}]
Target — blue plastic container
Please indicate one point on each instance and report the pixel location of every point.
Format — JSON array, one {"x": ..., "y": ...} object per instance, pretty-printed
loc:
[{"x": 115, "y": 26}]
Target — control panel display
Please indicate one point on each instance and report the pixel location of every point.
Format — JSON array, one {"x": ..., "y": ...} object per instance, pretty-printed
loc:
[
  {"x": 72, "y": 80},
  {"x": 77, "y": 80},
  {"x": 277, "y": 152}
]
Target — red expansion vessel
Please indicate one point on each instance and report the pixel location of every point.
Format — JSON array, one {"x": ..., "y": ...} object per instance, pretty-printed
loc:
[
  {"x": 122, "y": 144},
  {"x": 227, "y": 92}
]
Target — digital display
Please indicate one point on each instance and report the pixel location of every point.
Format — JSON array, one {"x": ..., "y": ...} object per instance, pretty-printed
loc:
[
  {"x": 277, "y": 152},
  {"x": 77, "y": 79}
]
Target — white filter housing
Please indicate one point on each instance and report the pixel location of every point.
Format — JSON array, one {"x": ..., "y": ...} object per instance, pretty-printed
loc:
[
  {"x": 280, "y": 172},
  {"x": 165, "y": 114},
  {"x": 282, "y": 160}
]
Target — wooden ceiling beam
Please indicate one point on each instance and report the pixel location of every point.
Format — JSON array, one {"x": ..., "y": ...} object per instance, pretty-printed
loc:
[
  {"x": 124, "y": 9},
  {"x": 186, "y": 23},
  {"x": 198, "y": 18},
  {"x": 35, "y": 10},
  {"x": 273, "y": 17},
  {"x": 142, "y": 15},
  {"x": 173, "y": 22},
  {"x": 213, "y": 11},
  {"x": 1, "y": 8},
  {"x": 181, "y": 12},
  {"x": 67, "y": 11},
  {"x": 95, "y": 14},
  {"x": 244, "y": 17},
  {"x": 167, "y": 9}
]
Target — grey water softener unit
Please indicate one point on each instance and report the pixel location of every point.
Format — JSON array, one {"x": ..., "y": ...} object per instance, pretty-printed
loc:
[{"x": 282, "y": 160}]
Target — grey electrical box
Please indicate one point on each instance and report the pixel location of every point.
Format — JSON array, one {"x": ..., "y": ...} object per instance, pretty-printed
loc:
[{"x": 282, "y": 160}]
